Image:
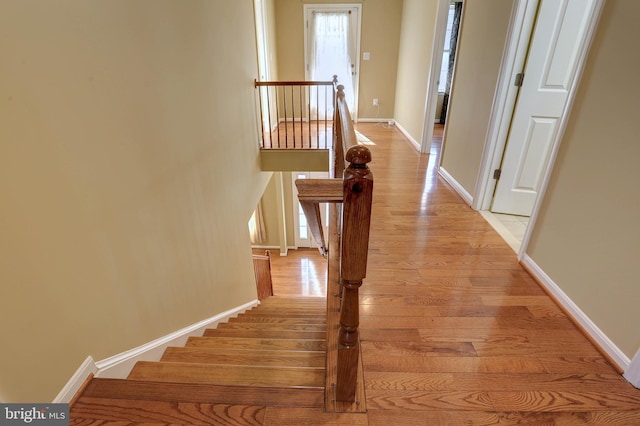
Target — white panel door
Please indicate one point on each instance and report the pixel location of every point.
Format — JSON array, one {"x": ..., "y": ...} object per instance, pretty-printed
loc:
[{"x": 550, "y": 72}]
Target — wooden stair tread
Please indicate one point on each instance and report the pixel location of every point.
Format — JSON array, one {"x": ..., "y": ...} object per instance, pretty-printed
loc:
[
  {"x": 319, "y": 317},
  {"x": 257, "y": 343},
  {"x": 228, "y": 374},
  {"x": 126, "y": 411},
  {"x": 203, "y": 393},
  {"x": 273, "y": 355},
  {"x": 263, "y": 326},
  {"x": 294, "y": 301},
  {"x": 266, "y": 334},
  {"x": 242, "y": 357},
  {"x": 271, "y": 320}
]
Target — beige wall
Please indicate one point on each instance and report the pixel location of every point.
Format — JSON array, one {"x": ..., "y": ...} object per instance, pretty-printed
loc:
[
  {"x": 414, "y": 62},
  {"x": 270, "y": 6},
  {"x": 128, "y": 172},
  {"x": 271, "y": 212},
  {"x": 380, "y": 34},
  {"x": 481, "y": 41},
  {"x": 587, "y": 235}
]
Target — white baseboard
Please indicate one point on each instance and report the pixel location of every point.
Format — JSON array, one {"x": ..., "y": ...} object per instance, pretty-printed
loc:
[
  {"x": 389, "y": 121},
  {"x": 87, "y": 368},
  {"x": 456, "y": 186},
  {"x": 613, "y": 352},
  {"x": 406, "y": 134},
  {"x": 260, "y": 247},
  {"x": 632, "y": 373},
  {"x": 119, "y": 366}
]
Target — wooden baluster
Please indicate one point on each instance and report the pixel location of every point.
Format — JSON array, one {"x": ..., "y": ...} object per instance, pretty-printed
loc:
[
  {"x": 356, "y": 219},
  {"x": 338, "y": 149}
]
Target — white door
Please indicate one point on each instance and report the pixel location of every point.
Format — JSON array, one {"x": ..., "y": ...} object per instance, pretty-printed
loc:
[
  {"x": 549, "y": 74},
  {"x": 332, "y": 44}
]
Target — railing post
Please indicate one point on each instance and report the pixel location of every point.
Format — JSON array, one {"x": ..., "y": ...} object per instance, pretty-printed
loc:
[
  {"x": 338, "y": 147},
  {"x": 356, "y": 219}
]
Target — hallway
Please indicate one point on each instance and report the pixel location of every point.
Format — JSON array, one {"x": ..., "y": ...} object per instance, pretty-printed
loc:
[{"x": 453, "y": 330}]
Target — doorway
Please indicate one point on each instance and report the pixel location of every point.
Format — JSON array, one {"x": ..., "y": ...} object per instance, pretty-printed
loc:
[
  {"x": 541, "y": 68},
  {"x": 448, "y": 60},
  {"x": 303, "y": 237},
  {"x": 332, "y": 47}
]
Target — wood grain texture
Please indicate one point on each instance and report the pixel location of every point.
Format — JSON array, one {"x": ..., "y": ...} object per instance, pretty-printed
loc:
[
  {"x": 157, "y": 412},
  {"x": 228, "y": 377},
  {"x": 454, "y": 330},
  {"x": 179, "y": 372},
  {"x": 518, "y": 363},
  {"x": 204, "y": 393}
]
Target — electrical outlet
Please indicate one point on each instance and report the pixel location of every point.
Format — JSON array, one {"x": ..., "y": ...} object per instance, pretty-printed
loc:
[{"x": 375, "y": 101}]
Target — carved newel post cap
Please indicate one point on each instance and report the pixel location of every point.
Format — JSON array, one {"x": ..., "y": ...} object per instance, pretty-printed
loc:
[{"x": 358, "y": 156}]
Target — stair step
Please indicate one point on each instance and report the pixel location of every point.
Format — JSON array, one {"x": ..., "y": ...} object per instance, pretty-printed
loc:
[
  {"x": 261, "y": 326},
  {"x": 97, "y": 411},
  {"x": 202, "y": 393},
  {"x": 266, "y": 334},
  {"x": 257, "y": 344},
  {"x": 278, "y": 313},
  {"x": 294, "y": 301},
  {"x": 271, "y": 320},
  {"x": 228, "y": 374},
  {"x": 242, "y": 357}
]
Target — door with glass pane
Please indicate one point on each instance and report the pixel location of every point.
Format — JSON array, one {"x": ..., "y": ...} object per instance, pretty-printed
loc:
[
  {"x": 302, "y": 233},
  {"x": 332, "y": 45}
]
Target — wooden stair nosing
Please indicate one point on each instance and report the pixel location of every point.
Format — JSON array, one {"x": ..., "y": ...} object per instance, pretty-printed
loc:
[
  {"x": 273, "y": 327},
  {"x": 96, "y": 411},
  {"x": 264, "y": 376},
  {"x": 266, "y": 334},
  {"x": 283, "y": 315},
  {"x": 266, "y": 319},
  {"x": 242, "y": 357},
  {"x": 294, "y": 301},
  {"x": 203, "y": 393},
  {"x": 247, "y": 343}
]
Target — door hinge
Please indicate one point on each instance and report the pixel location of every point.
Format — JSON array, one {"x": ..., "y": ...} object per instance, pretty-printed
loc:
[
  {"x": 519, "y": 79},
  {"x": 497, "y": 173}
]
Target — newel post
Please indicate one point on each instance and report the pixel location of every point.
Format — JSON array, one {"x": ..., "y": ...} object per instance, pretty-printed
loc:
[{"x": 356, "y": 219}]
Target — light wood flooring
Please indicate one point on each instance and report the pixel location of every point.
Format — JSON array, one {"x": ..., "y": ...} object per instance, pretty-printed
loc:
[{"x": 453, "y": 330}]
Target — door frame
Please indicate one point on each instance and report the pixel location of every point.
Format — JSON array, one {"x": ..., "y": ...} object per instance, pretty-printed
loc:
[
  {"x": 442, "y": 13},
  {"x": 330, "y": 7},
  {"x": 520, "y": 30}
]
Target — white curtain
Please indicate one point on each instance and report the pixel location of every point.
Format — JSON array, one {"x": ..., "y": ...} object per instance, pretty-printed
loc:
[
  {"x": 331, "y": 55},
  {"x": 257, "y": 230}
]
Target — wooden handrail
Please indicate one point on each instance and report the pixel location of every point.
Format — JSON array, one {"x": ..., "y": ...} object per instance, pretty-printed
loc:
[{"x": 344, "y": 132}]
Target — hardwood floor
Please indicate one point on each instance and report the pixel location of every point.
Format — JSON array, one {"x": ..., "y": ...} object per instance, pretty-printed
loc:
[{"x": 453, "y": 330}]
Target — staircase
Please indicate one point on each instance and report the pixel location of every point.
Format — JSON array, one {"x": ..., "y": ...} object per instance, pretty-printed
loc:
[{"x": 273, "y": 355}]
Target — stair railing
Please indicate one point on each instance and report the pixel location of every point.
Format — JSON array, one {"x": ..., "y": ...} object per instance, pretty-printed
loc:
[
  {"x": 352, "y": 186},
  {"x": 296, "y": 114}
]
